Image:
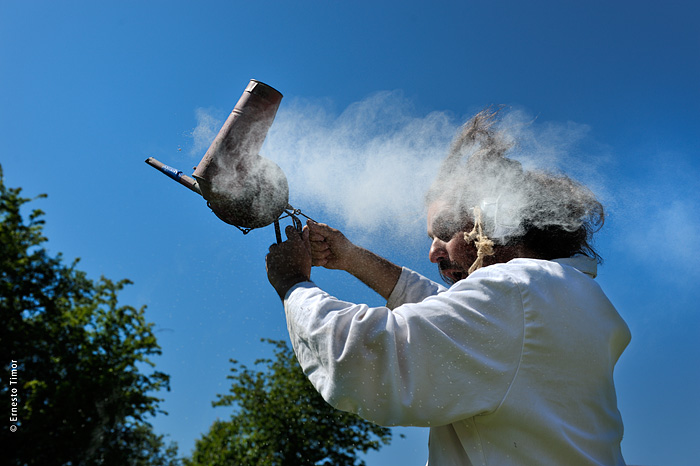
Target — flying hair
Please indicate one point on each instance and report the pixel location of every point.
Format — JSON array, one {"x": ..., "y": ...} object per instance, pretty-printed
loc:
[{"x": 549, "y": 213}]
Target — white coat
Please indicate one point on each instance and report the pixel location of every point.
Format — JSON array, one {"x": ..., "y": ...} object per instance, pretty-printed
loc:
[{"x": 512, "y": 365}]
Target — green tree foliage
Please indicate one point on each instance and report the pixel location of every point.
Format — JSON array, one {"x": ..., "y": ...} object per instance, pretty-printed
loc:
[
  {"x": 79, "y": 355},
  {"x": 280, "y": 419}
]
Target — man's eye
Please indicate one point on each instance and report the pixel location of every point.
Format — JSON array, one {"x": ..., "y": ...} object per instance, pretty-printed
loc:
[
  {"x": 444, "y": 231},
  {"x": 446, "y": 226},
  {"x": 445, "y": 236}
]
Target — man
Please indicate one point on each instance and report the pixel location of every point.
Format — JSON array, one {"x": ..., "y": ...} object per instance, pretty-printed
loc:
[{"x": 513, "y": 364}]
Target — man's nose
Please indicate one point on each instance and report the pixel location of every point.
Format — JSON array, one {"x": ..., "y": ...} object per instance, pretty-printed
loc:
[{"x": 437, "y": 251}]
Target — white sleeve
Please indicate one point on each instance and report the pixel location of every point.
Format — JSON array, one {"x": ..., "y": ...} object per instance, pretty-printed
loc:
[
  {"x": 412, "y": 287},
  {"x": 448, "y": 357}
]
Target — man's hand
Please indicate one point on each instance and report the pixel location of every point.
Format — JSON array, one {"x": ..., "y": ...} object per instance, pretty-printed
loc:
[
  {"x": 289, "y": 263},
  {"x": 329, "y": 247},
  {"x": 332, "y": 250}
]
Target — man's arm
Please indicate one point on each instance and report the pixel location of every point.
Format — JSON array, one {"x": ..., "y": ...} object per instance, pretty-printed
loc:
[{"x": 331, "y": 249}]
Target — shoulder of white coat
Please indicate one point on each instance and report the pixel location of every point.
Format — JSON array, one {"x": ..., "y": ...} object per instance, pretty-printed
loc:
[
  {"x": 526, "y": 268},
  {"x": 498, "y": 284},
  {"x": 510, "y": 272},
  {"x": 513, "y": 276}
]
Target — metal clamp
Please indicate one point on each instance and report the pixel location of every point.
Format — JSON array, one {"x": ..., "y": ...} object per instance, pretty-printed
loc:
[{"x": 289, "y": 212}]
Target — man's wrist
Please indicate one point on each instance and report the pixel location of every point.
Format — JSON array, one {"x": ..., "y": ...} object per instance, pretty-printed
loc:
[{"x": 287, "y": 284}]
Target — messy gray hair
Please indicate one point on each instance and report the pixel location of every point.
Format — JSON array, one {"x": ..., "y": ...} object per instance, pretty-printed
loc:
[{"x": 549, "y": 213}]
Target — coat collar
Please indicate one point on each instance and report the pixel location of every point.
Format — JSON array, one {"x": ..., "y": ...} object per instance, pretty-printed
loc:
[{"x": 581, "y": 263}]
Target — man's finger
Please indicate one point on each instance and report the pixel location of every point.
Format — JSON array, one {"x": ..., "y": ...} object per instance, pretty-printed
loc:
[
  {"x": 317, "y": 246},
  {"x": 305, "y": 237},
  {"x": 292, "y": 233},
  {"x": 320, "y": 254},
  {"x": 313, "y": 236},
  {"x": 321, "y": 228},
  {"x": 319, "y": 262}
]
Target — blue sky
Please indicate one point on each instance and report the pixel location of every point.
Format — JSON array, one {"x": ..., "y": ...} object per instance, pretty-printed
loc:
[{"x": 88, "y": 90}]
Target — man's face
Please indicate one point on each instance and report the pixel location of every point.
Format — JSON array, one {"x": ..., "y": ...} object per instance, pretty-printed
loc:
[{"x": 449, "y": 250}]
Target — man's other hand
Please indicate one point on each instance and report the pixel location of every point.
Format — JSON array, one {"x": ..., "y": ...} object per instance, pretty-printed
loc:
[
  {"x": 289, "y": 263},
  {"x": 329, "y": 247}
]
